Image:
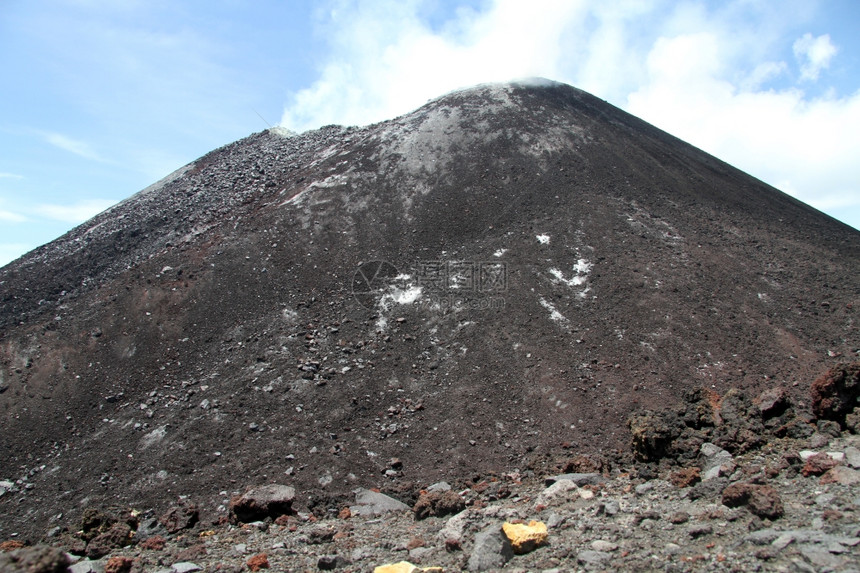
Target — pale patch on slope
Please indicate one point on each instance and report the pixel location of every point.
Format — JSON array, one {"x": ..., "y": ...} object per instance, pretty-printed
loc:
[
  {"x": 402, "y": 291},
  {"x": 579, "y": 276},
  {"x": 422, "y": 140},
  {"x": 554, "y": 314}
]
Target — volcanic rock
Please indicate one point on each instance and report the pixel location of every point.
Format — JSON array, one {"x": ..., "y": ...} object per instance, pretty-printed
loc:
[
  {"x": 818, "y": 464},
  {"x": 264, "y": 501},
  {"x": 369, "y": 502},
  {"x": 773, "y": 402},
  {"x": 835, "y": 393},
  {"x": 180, "y": 517},
  {"x": 117, "y": 535},
  {"x": 558, "y": 265},
  {"x": 492, "y": 550},
  {"x": 762, "y": 500},
  {"x": 37, "y": 559},
  {"x": 438, "y": 504},
  {"x": 525, "y": 537}
]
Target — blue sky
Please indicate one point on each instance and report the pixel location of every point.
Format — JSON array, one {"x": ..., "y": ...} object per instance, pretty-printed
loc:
[{"x": 101, "y": 98}]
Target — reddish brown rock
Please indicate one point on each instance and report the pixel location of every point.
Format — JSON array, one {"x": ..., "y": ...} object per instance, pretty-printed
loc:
[
  {"x": 773, "y": 402},
  {"x": 835, "y": 393},
  {"x": 119, "y": 564},
  {"x": 179, "y": 517},
  {"x": 118, "y": 535},
  {"x": 818, "y": 464},
  {"x": 685, "y": 477},
  {"x": 761, "y": 500},
  {"x": 257, "y": 562},
  {"x": 438, "y": 504},
  {"x": 154, "y": 543},
  {"x": 192, "y": 553},
  {"x": 584, "y": 464},
  {"x": 36, "y": 559},
  {"x": 11, "y": 545}
]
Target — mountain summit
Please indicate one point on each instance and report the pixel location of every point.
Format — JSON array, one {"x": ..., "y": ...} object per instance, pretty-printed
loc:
[{"x": 464, "y": 288}]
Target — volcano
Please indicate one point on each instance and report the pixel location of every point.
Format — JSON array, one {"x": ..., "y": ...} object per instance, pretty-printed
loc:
[{"x": 464, "y": 290}]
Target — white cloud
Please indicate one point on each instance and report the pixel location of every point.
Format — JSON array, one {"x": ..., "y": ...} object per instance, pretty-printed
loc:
[
  {"x": 813, "y": 54},
  {"x": 706, "y": 73},
  {"x": 11, "y": 217},
  {"x": 805, "y": 146},
  {"x": 10, "y": 176},
  {"x": 75, "y": 213},
  {"x": 75, "y": 146},
  {"x": 387, "y": 62}
]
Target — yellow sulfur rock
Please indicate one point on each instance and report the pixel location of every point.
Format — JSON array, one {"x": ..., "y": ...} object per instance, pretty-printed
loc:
[
  {"x": 525, "y": 538},
  {"x": 405, "y": 567}
]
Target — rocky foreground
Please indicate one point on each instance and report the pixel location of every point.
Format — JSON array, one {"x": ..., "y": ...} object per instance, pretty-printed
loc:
[{"x": 718, "y": 483}]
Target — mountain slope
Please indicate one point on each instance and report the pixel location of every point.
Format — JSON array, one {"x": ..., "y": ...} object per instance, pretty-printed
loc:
[{"x": 465, "y": 288}]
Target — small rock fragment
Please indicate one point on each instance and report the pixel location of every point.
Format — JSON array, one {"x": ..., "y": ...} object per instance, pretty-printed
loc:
[
  {"x": 257, "y": 562},
  {"x": 438, "y": 504},
  {"x": 330, "y": 562},
  {"x": 370, "y": 503},
  {"x": 154, "y": 543},
  {"x": 492, "y": 550},
  {"x": 679, "y": 517},
  {"x": 602, "y": 545},
  {"x": 609, "y": 507},
  {"x": 773, "y": 402},
  {"x": 525, "y": 538},
  {"x": 319, "y": 535},
  {"x": 11, "y": 545},
  {"x": 179, "y": 517},
  {"x": 699, "y": 529},
  {"x": 589, "y": 557},
  {"x": 652, "y": 435},
  {"x": 685, "y": 477},
  {"x": 841, "y": 475},
  {"x": 852, "y": 457},
  {"x": 86, "y": 566},
  {"x": 264, "y": 501},
  {"x": 119, "y": 564},
  {"x": 118, "y": 535},
  {"x": 558, "y": 492},
  {"x": 818, "y": 464},
  {"x": 185, "y": 567},
  {"x": 578, "y": 479},
  {"x": 36, "y": 559},
  {"x": 716, "y": 462},
  {"x": 762, "y": 500},
  {"x": 672, "y": 548},
  {"x": 834, "y": 393},
  {"x": 439, "y": 486}
]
